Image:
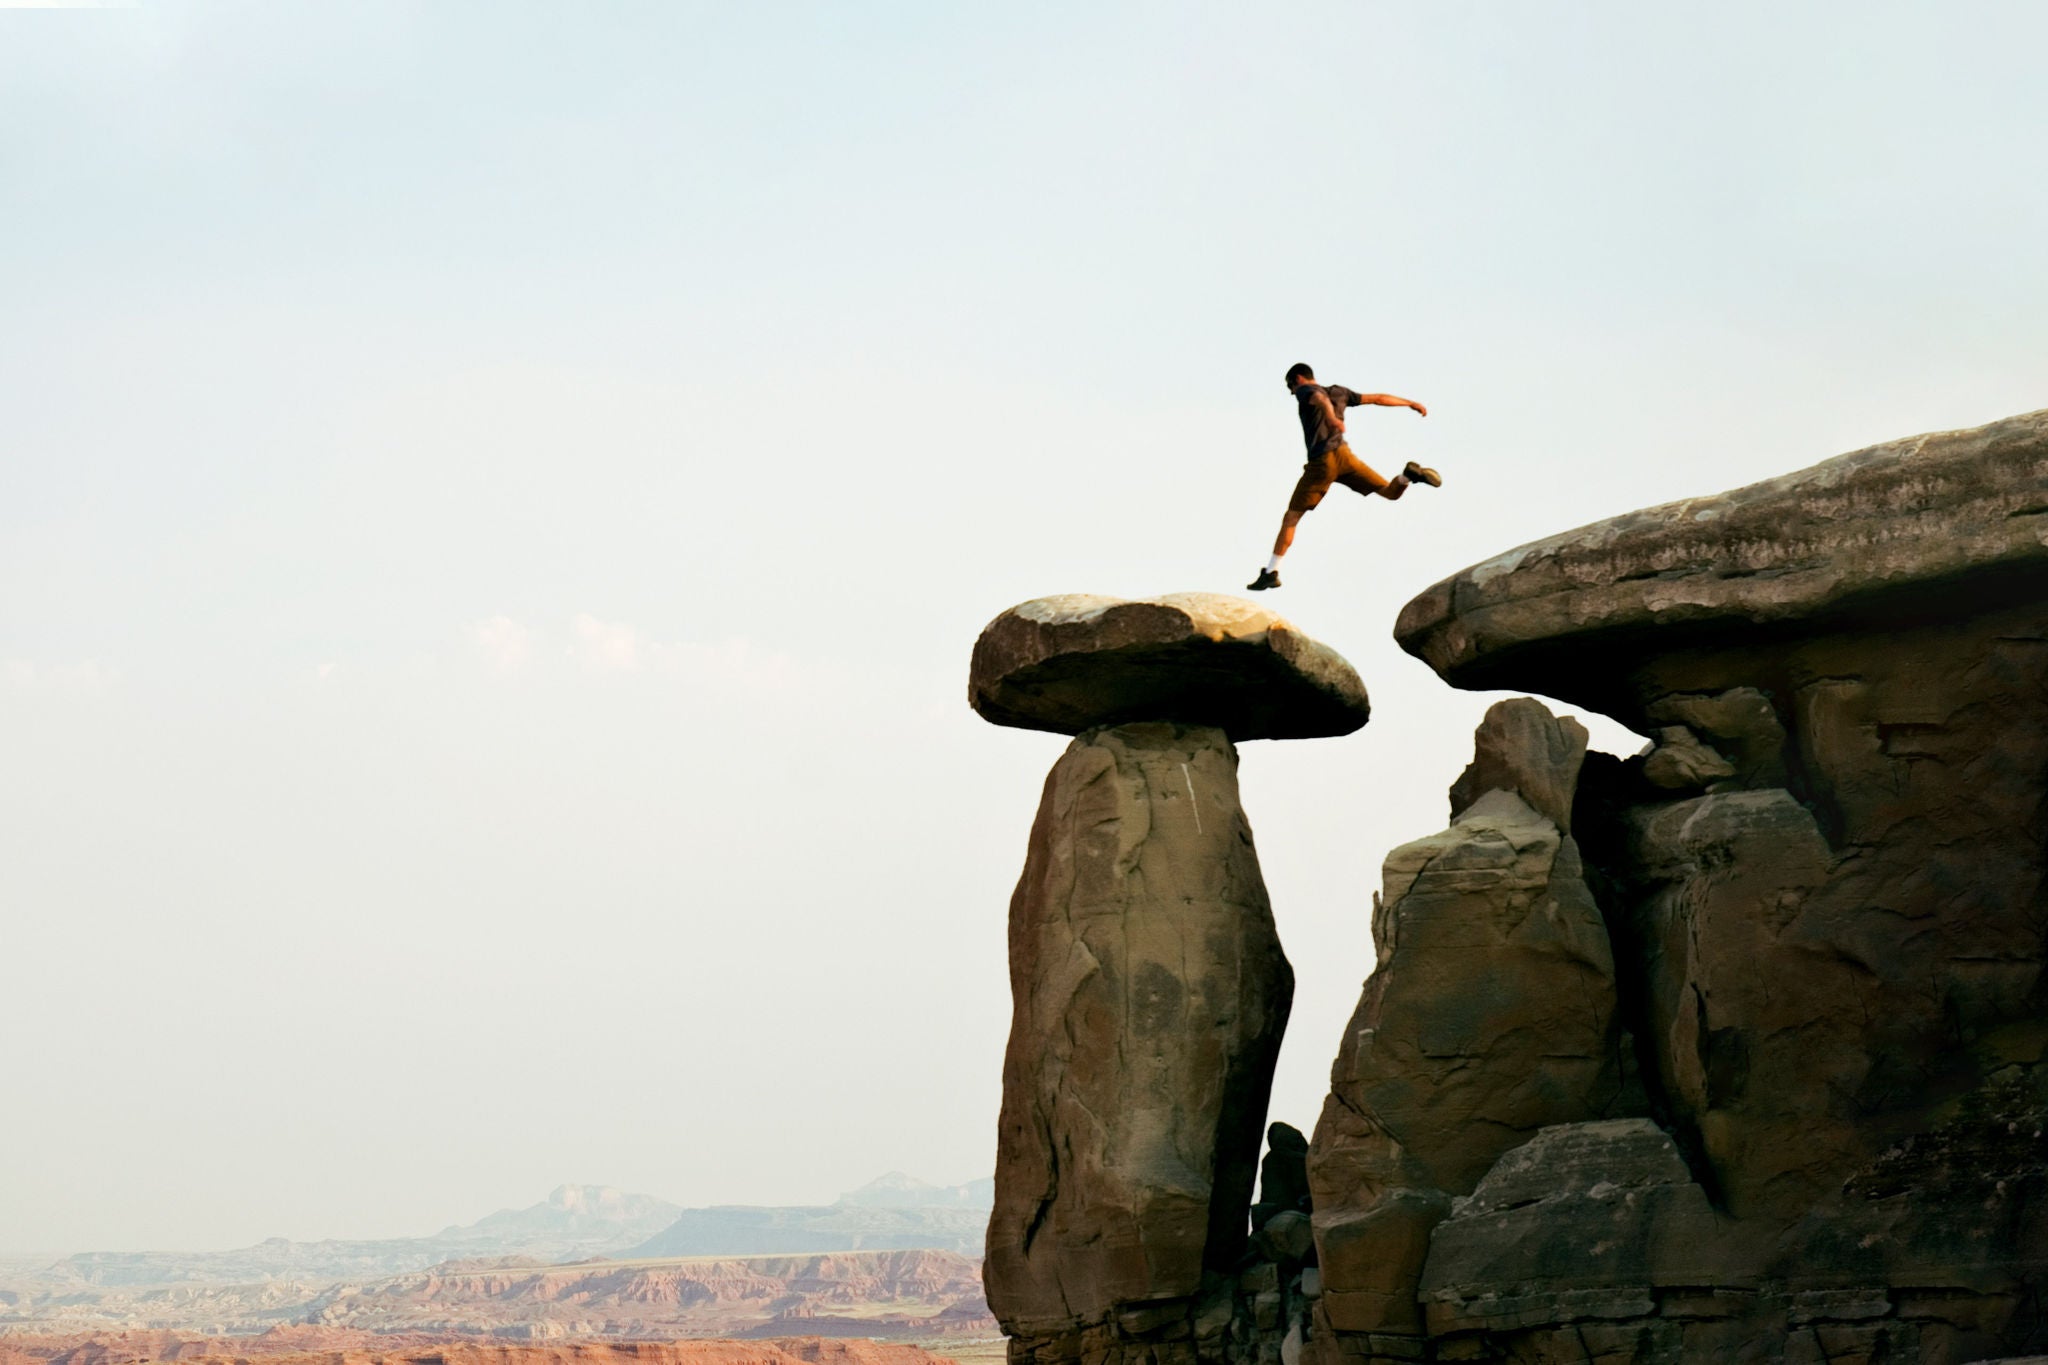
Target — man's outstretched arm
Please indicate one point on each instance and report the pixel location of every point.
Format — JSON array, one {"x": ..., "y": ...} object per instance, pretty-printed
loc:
[{"x": 1388, "y": 400}]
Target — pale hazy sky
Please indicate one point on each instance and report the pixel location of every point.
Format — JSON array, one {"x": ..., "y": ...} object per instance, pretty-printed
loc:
[{"x": 496, "y": 500}]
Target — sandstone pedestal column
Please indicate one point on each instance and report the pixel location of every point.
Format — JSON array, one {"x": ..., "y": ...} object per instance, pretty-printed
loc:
[{"x": 1150, "y": 992}]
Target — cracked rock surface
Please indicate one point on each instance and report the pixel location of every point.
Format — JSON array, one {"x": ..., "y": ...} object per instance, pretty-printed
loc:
[
  {"x": 1825, "y": 890},
  {"x": 1150, "y": 995},
  {"x": 1490, "y": 1014}
]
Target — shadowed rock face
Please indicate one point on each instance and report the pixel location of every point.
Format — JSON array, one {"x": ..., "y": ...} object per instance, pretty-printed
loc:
[
  {"x": 1491, "y": 1013},
  {"x": 1071, "y": 663},
  {"x": 1150, "y": 995},
  {"x": 1826, "y": 891}
]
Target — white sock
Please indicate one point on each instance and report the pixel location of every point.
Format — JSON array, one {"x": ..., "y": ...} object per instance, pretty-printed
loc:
[{"x": 1273, "y": 564}]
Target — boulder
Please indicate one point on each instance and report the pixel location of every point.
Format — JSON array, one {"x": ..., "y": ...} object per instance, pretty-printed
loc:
[
  {"x": 1740, "y": 725},
  {"x": 1286, "y": 1238},
  {"x": 1521, "y": 748},
  {"x": 1680, "y": 763},
  {"x": 1490, "y": 1014},
  {"x": 1074, "y": 662},
  {"x": 1150, "y": 995},
  {"x": 1283, "y": 1175}
]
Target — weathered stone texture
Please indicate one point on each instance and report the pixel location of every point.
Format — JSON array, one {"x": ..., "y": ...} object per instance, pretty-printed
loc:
[
  {"x": 1489, "y": 1016},
  {"x": 1521, "y": 748},
  {"x": 1916, "y": 514},
  {"x": 1077, "y": 661},
  {"x": 1150, "y": 997},
  {"x": 1826, "y": 890},
  {"x": 1583, "y": 1220}
]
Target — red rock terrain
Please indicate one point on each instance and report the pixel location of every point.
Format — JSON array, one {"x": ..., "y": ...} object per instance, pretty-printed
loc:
[
  {"x": 302, "y": 1345},
  {"x": 891, "y": 1294}
]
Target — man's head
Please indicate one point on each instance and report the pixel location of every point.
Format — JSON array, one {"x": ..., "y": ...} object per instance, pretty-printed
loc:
[{"x": 1299, "y": 374}]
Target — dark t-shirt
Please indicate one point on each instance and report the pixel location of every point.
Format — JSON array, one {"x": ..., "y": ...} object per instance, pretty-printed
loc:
[{"x": 1316, "y": 430}]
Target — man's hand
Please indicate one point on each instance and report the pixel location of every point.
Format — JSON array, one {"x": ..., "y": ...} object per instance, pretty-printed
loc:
[{"x": 1420, "y": 411}]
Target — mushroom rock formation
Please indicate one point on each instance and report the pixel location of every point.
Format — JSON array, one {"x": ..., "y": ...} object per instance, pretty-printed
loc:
[
  {"x": 1149, "y": 989},
  {"x": 1825, "y": 888}
]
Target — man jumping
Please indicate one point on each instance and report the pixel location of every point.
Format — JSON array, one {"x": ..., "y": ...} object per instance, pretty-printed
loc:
[{"x": 1331, "y": 461}]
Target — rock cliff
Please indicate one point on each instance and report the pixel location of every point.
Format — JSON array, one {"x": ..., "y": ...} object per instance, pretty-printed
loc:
[
  {"x": 1734, "y": 1049},
  {"x": 1792, "y": 1105}
]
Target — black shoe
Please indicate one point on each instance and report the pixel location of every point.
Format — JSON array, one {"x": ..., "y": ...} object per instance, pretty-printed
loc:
[
  {"x": 1266, "y": 579},
  {"x": 1418, "y": 474}
]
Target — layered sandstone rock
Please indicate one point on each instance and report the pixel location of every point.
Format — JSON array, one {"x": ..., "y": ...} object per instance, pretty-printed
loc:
[
  {"x": 1583, "y": 1221},
  {"x": 1148, "y": 985},
  {"x": 1899, "y": 526},
  {"x": 1490, "y": 1014},
  {"x": 1825, "y": 884}
]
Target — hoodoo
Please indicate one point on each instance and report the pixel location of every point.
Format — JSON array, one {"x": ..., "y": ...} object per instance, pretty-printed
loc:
[{"x": 1149, "y": 989}]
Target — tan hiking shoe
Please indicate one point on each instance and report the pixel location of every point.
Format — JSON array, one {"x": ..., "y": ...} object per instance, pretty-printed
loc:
[{"x": 1419, "y": 474}]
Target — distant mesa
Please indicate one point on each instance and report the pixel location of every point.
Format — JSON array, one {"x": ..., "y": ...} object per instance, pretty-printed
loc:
[
  {"x": 897, "y": 1190},
  {"x": 893, "y": 1254},
  {"x": 1075, "y": 662}
]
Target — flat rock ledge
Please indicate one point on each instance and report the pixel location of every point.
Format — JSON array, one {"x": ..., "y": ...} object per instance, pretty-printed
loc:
[
  {"x": 1875, "y": 531},
  {"x": 1077, "y": 661}
]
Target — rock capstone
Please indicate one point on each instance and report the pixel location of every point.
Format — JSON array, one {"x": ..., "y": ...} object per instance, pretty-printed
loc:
[
  {"x": 1078, "y": 661},
  {"x": 1908, "y": 528}
]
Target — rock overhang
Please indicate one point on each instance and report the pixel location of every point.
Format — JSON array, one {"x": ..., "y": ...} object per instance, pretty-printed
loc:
[
  {"x": 1072, "y": 662},
  {"x": 1895, "y": 530}
]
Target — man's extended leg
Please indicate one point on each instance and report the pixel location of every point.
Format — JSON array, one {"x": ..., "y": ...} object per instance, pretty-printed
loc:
[
  {"x": 1269, "y": 577},
  {"x": 1315, "y": 480}
]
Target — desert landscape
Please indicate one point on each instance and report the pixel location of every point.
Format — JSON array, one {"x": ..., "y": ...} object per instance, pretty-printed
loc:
[
  {"x": 582, "y": 1264},
  {"x": 333, "y": 1346},
  {"x": 1495, "y": 556}
]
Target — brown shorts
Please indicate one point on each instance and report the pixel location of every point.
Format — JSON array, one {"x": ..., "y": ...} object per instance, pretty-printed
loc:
[{"x": 1337, "y": 466}]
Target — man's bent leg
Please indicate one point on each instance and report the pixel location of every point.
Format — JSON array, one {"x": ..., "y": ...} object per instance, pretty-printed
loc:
[{"x": 1360, "y": 477}]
